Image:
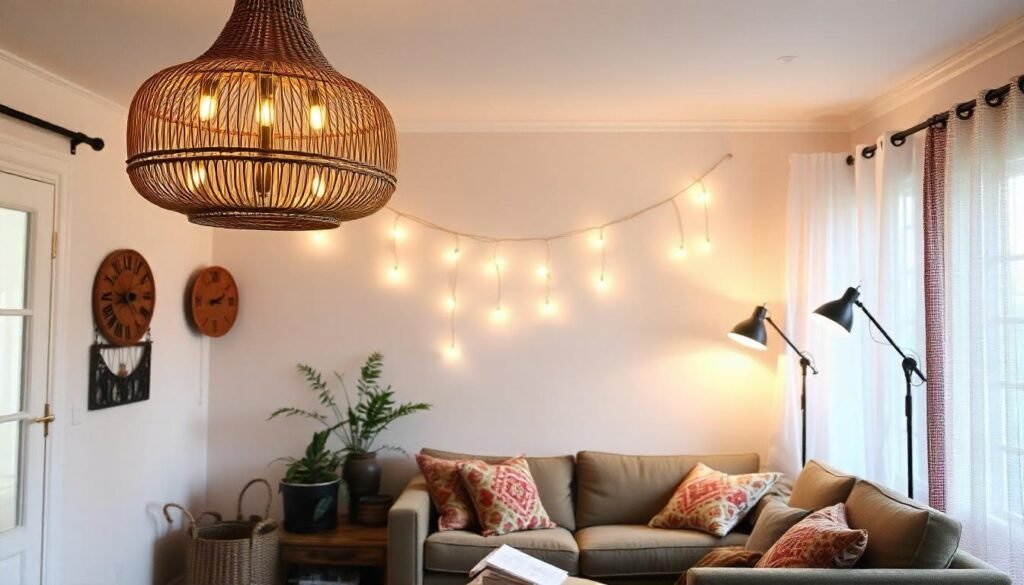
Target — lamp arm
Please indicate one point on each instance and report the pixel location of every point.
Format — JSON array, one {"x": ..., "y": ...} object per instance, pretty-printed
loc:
[
  {"x": 803, "y": 356},
  {"x": 907, "y": 360}
]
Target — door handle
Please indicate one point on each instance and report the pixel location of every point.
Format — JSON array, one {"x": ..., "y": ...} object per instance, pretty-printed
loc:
[{"x": 47, "y": 418}]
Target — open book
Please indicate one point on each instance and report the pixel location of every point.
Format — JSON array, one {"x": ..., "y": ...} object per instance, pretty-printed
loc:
[{"x": 508, "y": 566}]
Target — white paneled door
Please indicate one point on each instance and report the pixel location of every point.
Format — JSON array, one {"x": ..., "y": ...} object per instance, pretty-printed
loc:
[{"x": 26, "y": 252}]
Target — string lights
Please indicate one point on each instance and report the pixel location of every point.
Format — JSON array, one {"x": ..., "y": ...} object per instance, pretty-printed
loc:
[{"x": 496, "y": 265}]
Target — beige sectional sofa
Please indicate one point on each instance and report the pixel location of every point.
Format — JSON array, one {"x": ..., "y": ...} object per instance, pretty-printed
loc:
[{"x": 602, "y": 502}]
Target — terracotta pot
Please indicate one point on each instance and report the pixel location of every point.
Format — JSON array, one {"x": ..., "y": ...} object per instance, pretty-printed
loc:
[{"x": 361, "y": 473}]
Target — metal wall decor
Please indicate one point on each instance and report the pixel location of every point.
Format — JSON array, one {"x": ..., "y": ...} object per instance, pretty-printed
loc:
[
  {"x": 260, "y": 132},
  {"x": 119, "y": 374}
]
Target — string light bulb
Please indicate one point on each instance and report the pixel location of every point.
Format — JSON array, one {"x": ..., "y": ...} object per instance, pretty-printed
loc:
[
  {"x": 452, "y": 255},
  {"x": 706, "y": 246},
  {"x": 450, "y": 303},
  {"x": 395, "y": 273},
  {"x": 598, "y": 239},
  {"x": 543, "y": 272},
  {"x": 452, "y": 352},
  {"x": 702, "y": 197},
  {"x": 398, "y": 232},
  {"x": 679, "y": 252},
  {"x": 548, "y": 307},
  {"x": 601, "y": 283},
  {"x": 499, "y": 315}
]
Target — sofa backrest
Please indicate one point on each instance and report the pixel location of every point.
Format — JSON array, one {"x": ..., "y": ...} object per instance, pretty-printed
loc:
[
  {"x": 902, "y": 533},
  {"x": 819, "y": 486},
  {"x": 631, "y": 489},
  {"x": 553, "y": 475}
]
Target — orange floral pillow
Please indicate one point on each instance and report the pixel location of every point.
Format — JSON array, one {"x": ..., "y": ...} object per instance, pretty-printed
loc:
[
  {"x": 820, "y": 541},
  {"x": 505, "y": 496},
  {"x": 455, "y": 508},
  {"x": 712, "y": 501}
]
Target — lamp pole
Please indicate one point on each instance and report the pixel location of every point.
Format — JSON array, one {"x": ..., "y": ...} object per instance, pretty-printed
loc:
[
  {"x": 805, "y": 363},
  {"x": 909, "y": 369}
]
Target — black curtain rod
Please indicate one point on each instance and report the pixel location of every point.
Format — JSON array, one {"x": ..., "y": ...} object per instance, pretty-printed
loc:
[
  {"x": 964, "y": 111},
  {"x": 76, "y": 138}
]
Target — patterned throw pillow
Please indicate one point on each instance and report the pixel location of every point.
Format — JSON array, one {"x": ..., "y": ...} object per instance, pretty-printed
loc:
[
  {"x": 455, "y": 508},
  {"x": 712, "y": 501},
  {"x": 505, "y": 496},
  {"x": 727, "y": 556},
  {"x": 820, "y": 541}
]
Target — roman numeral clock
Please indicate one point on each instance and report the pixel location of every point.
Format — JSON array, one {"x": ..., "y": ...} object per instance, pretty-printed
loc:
[{"x": 123, "y": 301}]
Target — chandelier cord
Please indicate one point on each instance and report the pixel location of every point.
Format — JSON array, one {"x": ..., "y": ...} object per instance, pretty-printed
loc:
[{"x": 570, "y": 233}]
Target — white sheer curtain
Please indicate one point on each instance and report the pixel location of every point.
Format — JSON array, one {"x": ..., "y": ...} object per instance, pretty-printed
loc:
[
  {"x": 984, "y": 331},
  {"x": 850, "y": 227}
]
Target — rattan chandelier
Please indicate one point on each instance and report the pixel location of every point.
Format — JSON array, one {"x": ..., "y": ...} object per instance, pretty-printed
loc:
[{"x": 260, "y": 132}]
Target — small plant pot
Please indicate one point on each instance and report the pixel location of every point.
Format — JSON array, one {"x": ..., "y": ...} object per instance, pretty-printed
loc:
[
  {"x": 361, "y": 473},
  {"x": 310, "y": 507}
]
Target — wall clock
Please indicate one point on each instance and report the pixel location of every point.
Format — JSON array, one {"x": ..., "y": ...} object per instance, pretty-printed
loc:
[
  {"x": 213, "y": 303},
  {"x": 123, "y": 297}
]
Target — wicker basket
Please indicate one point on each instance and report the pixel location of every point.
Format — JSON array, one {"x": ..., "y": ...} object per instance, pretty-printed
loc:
[{"x": 239, "y": 552}]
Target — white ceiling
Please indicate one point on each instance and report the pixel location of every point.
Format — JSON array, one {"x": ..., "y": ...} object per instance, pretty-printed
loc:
[{"x": 459, "y": 62}]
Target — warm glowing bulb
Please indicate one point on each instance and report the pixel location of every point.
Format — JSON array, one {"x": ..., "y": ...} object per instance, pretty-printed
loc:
[
  {"x": 207, "y": 107},
  {"x": 598, "y": 240},
  {"x": 496, "y": 265},
  {"x": 266, "y": 112},
  {"x": 196, "y": 177},
  {"x": 316, "y": 117},
  {"x": 398, "y": 233},
  {"x": 702, "y": 196},
  {"x": 452, "y": 352},
  {"x": 319, "y": 186},
  {"x": 601, "y": 283},
  {"x": 679, "y": 252},
  {"x": 450, "y": 303},
  {"x": 499, "y": 315},
  {"x": 706, "y": 246},
  {"x": 395, "y": 274},
  {"x": 452, "y": 255},
  {"x": 542, "y": 271},
  {"x": 548, "y": 307}
]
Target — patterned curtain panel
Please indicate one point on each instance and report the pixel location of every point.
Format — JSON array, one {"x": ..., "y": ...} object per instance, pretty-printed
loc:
[
  {"x": 983, "y": 335},
  {"x": 934, "y": 282}
]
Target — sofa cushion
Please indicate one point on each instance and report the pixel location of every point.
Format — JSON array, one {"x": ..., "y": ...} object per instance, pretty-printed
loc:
[
  {"x": 904, "y": 534},
  {"x": 711, "y": 501},
  {"x": 631, "y": 489},
  {"x": 612, "y": 551},
  {"x": 504, "y": 496},
  {"x": 450, "y": 498},
  {"x": 775, "y": 520},
  {"x": 823, "y": 540},
  {"x": 458, "y": 551},
  {"x": 553, "y": 475},
  {"x": 819, "y": 486}
]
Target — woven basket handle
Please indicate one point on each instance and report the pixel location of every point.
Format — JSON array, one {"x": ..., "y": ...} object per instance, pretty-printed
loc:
[
  {"x": 192, "y": 521},
  {"x": 252, "y": 543},
  {"x": 215, "y": 515},
  {"x": 270, "y": 497}
]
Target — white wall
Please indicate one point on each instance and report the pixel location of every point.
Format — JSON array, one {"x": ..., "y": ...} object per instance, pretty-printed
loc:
[
  {"x": 119, "y": 465},
  {"x": 645, "y": 368}
]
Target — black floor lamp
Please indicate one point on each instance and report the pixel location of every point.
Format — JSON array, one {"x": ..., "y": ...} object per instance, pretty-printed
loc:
[
  {"x": 840, "y": 312},
  {"x": 751, "y": 333}
]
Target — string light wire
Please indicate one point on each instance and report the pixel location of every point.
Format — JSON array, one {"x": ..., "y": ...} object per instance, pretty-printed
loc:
[
  {"x": 679, "y": 224},
  {"x": 454, "y": 299},
  {"x": 573, "y": 232}
]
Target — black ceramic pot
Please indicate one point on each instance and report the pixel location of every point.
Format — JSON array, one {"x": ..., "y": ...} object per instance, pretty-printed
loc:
[
  {"x": 361, "y": 473},
  {"x": 310, "y": 507}
]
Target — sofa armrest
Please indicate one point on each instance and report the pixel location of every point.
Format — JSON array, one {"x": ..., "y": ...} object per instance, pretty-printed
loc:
[
  {"x": 408, "y": 526},
  {"x": 730, "y": 576}
]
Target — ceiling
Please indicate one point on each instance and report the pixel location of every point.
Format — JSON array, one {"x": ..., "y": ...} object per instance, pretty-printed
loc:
[{"x": 466, "y": 62}]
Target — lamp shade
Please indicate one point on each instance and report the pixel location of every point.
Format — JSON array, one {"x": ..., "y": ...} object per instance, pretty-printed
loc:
[
  {"x": 751, "y": 332},
  {"x": 840, "y": 311},
  {"x": 260, "y": 132}
]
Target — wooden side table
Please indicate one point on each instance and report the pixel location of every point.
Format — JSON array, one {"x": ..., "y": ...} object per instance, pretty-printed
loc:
[{"x": 348, "y": 545}]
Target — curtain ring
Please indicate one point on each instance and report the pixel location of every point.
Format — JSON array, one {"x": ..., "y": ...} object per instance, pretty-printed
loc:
[{"x": 993, "y": 98}]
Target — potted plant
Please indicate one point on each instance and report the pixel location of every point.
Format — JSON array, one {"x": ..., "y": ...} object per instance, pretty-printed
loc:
[
  {"x": 357, "y": 425},
  {"x": 310, "y": 488}
]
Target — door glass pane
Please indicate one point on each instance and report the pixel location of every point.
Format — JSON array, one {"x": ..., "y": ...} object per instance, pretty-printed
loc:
[
  {"x": 13, "y": 257},
  {"x": 12, "y": 347},
  {"x": 10, "y": 451}
]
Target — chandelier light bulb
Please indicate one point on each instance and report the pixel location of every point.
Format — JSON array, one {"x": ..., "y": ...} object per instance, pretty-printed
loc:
[
  {"x": 196, "y": 177},
  {"x": 319, "y": 186},
  {"x": 266, "y": 112},
  {"x": 207, "y": 107}
]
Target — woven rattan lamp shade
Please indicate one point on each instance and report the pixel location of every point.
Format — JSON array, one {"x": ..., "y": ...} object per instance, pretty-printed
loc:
[{"x": 260, "y": 132}]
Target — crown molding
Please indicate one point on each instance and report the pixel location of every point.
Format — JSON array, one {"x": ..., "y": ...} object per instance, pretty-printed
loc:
[
  {"x": 454, "y": 127},
  {"x": 63, "y": 82},
  {"x": 970, "y": 56}
]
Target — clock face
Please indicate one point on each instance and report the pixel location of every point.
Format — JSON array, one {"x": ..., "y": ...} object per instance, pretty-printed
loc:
[
  {"x": 123, "y": 297},
  {"x": 214, "y": 301}
]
